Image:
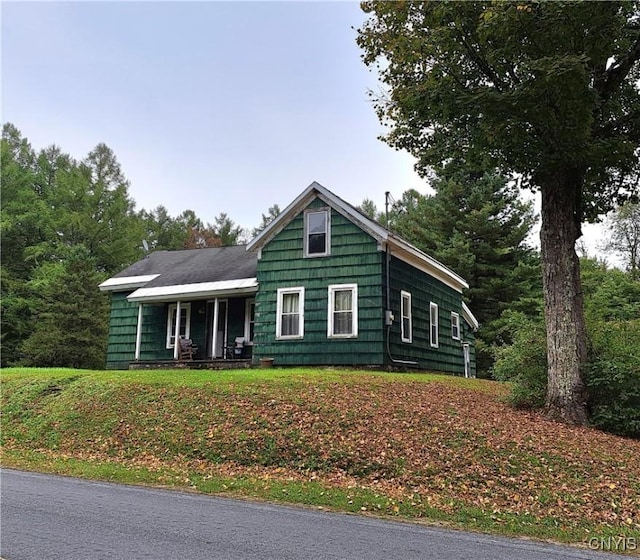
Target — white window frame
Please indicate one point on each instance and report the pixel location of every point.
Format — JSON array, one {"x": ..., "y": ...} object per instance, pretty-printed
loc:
[
  {"x": 433, "y": 322},
  {"x": 247, "y": 320},
  {"x": 327, "y": 213},
  {"x": 171, "y": 327},
  {"x": 331, "y": 309},
  {"x": 455, "y": 326},
  {"x": 406, "y": 297},
  {"x": 281, "y": 293}
]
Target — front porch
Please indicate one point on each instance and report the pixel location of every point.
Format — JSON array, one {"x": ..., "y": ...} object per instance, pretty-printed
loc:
[{"x": 212, "y": 364}]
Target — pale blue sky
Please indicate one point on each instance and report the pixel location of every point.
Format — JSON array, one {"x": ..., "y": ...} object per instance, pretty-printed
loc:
[{"x": 215, "y": 106}]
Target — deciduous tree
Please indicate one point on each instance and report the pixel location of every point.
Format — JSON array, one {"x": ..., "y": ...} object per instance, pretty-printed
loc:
[
  {"x": 545, "y": 90},
  {"x": 624, "y": 226}
]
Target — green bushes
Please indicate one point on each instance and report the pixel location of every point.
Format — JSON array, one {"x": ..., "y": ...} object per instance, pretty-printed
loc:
[
  {"x": 524, "y": 361},
  {"x": 612, "y": 375}
]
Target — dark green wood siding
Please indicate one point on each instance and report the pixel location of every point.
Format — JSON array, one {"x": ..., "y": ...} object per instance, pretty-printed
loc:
[
  {"x": 354, "y": 259},
  {"x": 424, "y": 289},
  {"x": 123, "y": 318},
  {"x": 123, "y": 323}
]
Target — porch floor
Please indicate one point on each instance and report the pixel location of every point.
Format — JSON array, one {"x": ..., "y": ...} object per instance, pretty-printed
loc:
[{"x": 191, "y": 364}]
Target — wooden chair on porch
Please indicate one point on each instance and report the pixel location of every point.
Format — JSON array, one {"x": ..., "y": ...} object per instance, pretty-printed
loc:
[{"x": 186, "y": 349}]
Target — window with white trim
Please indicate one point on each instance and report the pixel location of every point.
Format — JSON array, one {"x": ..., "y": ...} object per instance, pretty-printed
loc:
[
  {"x": 290, "y": 313},
  {"x": 406, "y": 325},
  {"x": 433, "y": 324},
  {"x": 185, "y": 322},
  {"x": 249, "y": 320},
  {"x": 317, "y": 233},
  {"x": 342, "y": 319},
  {"x": 455, "y": 326}
]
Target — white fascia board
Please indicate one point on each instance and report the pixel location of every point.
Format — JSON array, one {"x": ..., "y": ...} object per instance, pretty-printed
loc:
[
  {"x": 415, "y": 257},
  {"x": 469, "y": 317},
  {"x": 368, "y": 225},
  {"x": 298, "y": 205},
  {"x": 126, "y": 283},
  {"x": 243, "y": 286}
]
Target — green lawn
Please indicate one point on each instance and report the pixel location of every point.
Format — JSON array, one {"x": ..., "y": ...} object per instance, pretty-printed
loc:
[{"x": 425, "y": 447}]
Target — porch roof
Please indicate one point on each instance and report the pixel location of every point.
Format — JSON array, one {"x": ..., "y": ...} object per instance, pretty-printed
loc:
[
  {"x": 198, "y": 272},
  {"x": 224, "y": 288}
]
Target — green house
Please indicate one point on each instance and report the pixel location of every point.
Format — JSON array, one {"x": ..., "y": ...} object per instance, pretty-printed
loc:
[{"x": 322, "y": 285}]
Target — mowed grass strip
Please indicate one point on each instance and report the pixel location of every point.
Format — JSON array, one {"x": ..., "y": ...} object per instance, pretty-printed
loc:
[{"x": 417, "y": 446}]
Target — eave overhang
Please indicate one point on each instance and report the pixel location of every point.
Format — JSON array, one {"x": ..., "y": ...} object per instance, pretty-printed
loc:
[
  {"x": 202, "y": 290},
  {"x": 126, "y": 283}
]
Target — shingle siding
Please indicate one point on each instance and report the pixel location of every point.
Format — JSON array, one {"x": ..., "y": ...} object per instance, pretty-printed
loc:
[
  {"x": 354, "y": 259},
  {"x": 424, "y": 290}
]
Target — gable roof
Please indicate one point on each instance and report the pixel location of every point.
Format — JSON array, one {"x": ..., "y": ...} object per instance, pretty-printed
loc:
[
  {"x": 399, "y": 247},
  {"x": 166, "y": 275}
]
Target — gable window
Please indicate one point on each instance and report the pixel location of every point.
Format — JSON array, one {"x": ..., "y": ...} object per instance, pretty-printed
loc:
[
  {"x": 455, "y": 326},
  {"x": 342, "y": 320},
  {"x": 405, "y": 311},
  {"x": 290, "y": 311},
  {"x": 185, "y": 321},
  {"x": 249, "y": 320},
  {"x": 433, "y": 324},
  {"x": 317, "y": 233}
]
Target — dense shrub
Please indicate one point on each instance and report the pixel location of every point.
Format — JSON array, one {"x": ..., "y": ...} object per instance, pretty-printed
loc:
[
  {"x": 613, "y": 377},
  {"x": 612, "y": 374},
  {"x": 524, "y": 361}
]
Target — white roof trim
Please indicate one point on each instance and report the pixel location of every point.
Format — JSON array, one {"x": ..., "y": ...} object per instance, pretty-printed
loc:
[
  {"x": 126, "y": 282},
  {"x": 399, "y": 247},
  {"x": 415, "y": 257},
  {"x": 193, "y": 291},
  {"x": 291, "y": 211},
  {"x": 469, "y": 318}
]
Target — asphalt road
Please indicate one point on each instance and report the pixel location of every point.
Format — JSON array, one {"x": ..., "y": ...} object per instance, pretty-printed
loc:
[{"x": 51, "y": 517}]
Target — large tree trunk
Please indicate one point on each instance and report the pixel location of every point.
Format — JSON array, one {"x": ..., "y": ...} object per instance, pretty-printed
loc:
[{"x": 564, "y": 313}]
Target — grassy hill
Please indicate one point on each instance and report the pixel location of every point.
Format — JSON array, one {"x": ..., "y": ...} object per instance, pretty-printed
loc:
[{"x": 430, "y": 447}]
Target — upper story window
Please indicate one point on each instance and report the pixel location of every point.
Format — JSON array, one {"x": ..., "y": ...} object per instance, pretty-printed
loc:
[
  {"x": 455, "y": 326},
  {"x": 406, "y": 325},
  {"x": 317, "y": 233},
  {"x": 185, "y": 321},
  {"x": 290, "y": 311},
  {"x": 342, "y": 320}
]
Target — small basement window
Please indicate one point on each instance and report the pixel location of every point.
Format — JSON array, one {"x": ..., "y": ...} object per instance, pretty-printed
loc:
[{"x": 317, "y": 233}]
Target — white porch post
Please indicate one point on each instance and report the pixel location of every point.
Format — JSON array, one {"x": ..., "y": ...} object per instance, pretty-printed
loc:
[
  {"x": 139, "y": 332},
  {"x": 214, "y": 337},
  {"x": 176, "y": 334}
]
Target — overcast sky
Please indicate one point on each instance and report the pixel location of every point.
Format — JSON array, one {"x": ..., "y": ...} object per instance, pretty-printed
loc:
[{"x": 212, "y": 106}]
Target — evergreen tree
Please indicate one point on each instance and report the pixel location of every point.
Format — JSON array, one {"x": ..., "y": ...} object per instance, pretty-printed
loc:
[
  {"x": 267, "y": 218},
  {"x": 547, "y": 90},
  {"x": 476, "y": 225},
  {"x": 70, "y": 315}
]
